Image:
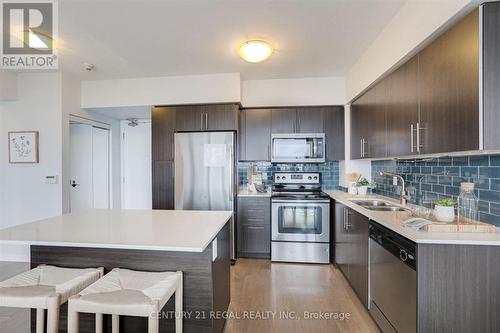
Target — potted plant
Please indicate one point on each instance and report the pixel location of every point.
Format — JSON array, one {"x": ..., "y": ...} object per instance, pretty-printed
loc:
[
  {"x": 444, "y": 210},
  {"x": 362, "y": 186}
]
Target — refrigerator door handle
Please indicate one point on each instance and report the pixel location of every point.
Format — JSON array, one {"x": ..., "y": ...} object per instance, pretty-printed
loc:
[{"x": 231, "y": 185}]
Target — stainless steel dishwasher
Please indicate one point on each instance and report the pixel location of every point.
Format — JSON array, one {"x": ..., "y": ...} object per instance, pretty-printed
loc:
[{"x": 393, "y": 280}]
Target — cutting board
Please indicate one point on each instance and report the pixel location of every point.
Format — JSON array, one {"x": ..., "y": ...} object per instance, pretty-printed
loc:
[{"x": 470, "y": 226}]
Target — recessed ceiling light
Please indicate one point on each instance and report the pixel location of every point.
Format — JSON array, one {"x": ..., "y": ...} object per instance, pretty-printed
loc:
[{"x": 255, "y": 50}]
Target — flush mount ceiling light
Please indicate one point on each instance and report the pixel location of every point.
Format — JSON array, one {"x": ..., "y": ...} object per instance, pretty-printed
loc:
[{"x": 255, "y": 50}]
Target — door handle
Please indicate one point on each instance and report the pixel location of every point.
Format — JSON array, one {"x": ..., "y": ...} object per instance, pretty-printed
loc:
[{"x": 74, "y": 184}]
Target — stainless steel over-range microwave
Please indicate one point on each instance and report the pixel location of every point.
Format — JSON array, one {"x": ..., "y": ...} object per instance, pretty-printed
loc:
[{"x": 298, "y": 148}]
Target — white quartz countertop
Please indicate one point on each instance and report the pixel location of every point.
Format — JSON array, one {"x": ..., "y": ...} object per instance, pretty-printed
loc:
[
  {"x": 392, "y": 220},
  {"x": 163, "y": 230},
  {"x": 246, "y": 193}
]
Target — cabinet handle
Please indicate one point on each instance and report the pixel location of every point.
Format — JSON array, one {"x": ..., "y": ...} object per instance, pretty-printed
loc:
[
  {"x": 173, "y": 155},
  {"x": 206, "y": 121},
  {"x": 345, "y": 218},
  {"x": 255, "y": 227},
  {"x": 419, "y": 145},
  {"x": 269, "y": 151},
  {"x": 201, "y": 120},
  {"x": 363, "y": 148},
  {"x": 411, "y": 138}
]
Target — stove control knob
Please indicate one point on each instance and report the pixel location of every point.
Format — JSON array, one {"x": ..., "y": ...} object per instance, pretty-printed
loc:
[
  {"x": 278, "y": 177},
  {"x": 315, "y": 177},
  {"x": 309, "y": 177},
  {"x": 283, "y": 177}
]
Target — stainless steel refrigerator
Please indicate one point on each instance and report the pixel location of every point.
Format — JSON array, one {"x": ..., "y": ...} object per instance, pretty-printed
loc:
[{"x": 205, "y": 174}]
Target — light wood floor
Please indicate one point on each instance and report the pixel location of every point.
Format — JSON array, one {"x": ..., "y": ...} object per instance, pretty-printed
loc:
[
  {"x": 260, "y": 288},
  {"x": 259, "y": 285}
]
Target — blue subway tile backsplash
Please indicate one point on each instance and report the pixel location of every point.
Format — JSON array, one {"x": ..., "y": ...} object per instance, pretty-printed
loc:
[
  {"x": 441, "y": 177},
  {"x": 329, "y": 172}
]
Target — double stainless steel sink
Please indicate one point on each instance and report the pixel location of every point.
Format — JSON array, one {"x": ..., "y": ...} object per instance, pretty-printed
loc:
[{"x": 379, "y": 205}]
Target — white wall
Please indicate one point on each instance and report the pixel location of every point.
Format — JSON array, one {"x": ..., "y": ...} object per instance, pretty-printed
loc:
[
  {"x": 293, "y": 92},
  {"x": 193, "y": 89},
  {"x": 415, "y": 22},
  {"x": 8, "y": 86},
  {"x": 24, "y": 196}
]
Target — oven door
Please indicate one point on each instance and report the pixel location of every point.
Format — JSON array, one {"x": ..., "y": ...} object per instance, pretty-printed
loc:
[{"x": 300, "y": 220}]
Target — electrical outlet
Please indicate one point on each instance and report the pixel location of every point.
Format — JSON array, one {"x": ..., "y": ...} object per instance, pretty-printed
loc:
[{"x": 394, "y": 181}]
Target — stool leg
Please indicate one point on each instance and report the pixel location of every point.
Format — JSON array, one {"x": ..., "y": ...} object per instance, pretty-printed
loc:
[
  {"x": 115, "y": 319},
  {"x": 53, "y": 315},
  {"x": 40, "y": 320},
  {"x": 153, "y": 323},
  {"x": 178, "y": 307},
  {"x": 73, "y": 322},
  {"x": 98, "y": 323}
]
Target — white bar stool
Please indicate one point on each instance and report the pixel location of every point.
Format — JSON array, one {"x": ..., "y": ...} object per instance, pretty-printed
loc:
[
  {"x": 46, "y": 288},
  {"x": 128, "y": 293}
]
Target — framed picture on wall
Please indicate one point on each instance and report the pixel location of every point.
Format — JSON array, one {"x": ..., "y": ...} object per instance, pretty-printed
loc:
[{"x": 23, "y": 147}]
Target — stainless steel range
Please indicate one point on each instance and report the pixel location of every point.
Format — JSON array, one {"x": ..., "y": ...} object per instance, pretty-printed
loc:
[{"x": 300, "y": 218}]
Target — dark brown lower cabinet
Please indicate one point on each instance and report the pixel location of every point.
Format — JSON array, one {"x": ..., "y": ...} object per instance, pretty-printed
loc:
[
  {"x": 458, "y": 288},
  {"x": 254, "y": 227},
  {"x": 163, "y": 185},
  {"x": 351, "y": 248}
]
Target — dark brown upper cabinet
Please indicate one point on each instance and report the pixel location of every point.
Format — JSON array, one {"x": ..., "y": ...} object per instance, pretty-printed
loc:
[
  {"x": 255, "y": 135},
  {"x": 448, "y": 85},
  {"x": 283, "y": 120},
  {"x": 211, "y": 117},
  {"x": 368, "y": 124},
  {"x": 306, "y": 119},
  {"x": 333, "y": 127},
  {"x": 402, "y": 109},
  {"x": 309, "y": 120},
  {"x": 491, "y": 75},
  {"x": 162, "y": 131},
  {"x": 431, "y": 102}
]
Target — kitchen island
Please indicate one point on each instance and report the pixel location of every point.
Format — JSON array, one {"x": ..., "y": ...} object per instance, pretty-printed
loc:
[{"x": 194, "y": 242}]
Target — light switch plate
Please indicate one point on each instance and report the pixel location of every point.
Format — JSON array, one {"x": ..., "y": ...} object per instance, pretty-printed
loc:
[{"x": 51, "y": 180}]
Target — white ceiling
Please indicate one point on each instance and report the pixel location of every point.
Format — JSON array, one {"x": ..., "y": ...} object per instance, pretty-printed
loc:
[{"x": 141, "y": 38}]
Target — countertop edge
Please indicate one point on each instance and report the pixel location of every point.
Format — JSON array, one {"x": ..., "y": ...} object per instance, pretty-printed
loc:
[
  {"x": 337, "y": 197},
  {"x": 197, "y": 249},
  {"x": 107, "y": 246}
]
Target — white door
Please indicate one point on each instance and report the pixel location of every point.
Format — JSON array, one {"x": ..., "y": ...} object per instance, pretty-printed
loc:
[
  {"x": 100, "y": 167},
  {"x": 136, "y": 165},
  {"x": 89, "y": 159}
]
